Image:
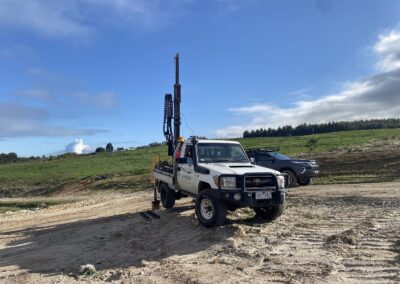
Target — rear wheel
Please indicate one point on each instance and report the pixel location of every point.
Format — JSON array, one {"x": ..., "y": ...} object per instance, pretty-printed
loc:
[
  {"x": 292, "y": 179},
  {"x": 270, "y": 212},
  {"x": 304, "y": 181},
  {"x": 167, "y": 196},
  {"x": 210, "y": 211}
]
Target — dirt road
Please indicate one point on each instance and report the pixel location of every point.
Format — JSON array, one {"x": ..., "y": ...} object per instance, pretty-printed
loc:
[{"x": 335, "y": 233}]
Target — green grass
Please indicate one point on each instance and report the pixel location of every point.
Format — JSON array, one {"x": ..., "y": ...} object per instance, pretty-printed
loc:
[
  {"x": 326, "y": 142},
  {"x": 52, "y": 173},
  {"x": 44, "y": 173}
]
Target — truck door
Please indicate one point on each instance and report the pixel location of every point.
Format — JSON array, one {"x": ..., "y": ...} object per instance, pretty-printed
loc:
[
  {"x": 186, "y": 174},
  {"x": 265, "y": 160}
]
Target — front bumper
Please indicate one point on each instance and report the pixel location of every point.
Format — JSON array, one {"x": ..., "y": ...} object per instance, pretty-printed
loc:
[
  {"x": 313, "y": 172},
  {"x": 245, "y": 193},
  {"x": 248, "y": 199}
]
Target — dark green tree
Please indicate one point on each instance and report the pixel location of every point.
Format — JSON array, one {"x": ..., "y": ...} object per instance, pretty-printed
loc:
[
  {"x": 109, "y": 147},
  {"x": 100, "y": 150}
]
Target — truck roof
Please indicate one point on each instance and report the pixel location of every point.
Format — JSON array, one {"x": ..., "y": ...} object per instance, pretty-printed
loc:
[{"x": 214, "y": 141}]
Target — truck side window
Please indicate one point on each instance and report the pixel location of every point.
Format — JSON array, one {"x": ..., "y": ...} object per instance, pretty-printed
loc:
[{"x": 189, "y": 154}]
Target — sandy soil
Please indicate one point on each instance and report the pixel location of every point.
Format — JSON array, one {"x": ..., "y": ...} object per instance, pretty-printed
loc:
[{"x": 334, "y": 233}]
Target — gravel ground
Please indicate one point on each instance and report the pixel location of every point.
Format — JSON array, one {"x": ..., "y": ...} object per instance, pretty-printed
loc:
[{"x": 328, "y": 234}]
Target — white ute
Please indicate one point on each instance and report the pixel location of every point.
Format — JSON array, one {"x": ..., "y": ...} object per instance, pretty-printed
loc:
[{"x": 219, "y": 175}]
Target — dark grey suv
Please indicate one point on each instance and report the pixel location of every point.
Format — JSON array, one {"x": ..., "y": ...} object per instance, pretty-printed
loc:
[{"x": 299, "y": 172}]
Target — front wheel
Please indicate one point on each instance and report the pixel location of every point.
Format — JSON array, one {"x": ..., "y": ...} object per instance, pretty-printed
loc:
[
  {"x": 304, "y": 181},
  {"x": 210, "y": 211},
  {"x": 292, "y": 179},
  {"x": 269, "y": 213}
]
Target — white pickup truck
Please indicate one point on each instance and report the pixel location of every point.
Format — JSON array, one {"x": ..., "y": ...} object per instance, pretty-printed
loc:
[{"x": 219, "y": 175}]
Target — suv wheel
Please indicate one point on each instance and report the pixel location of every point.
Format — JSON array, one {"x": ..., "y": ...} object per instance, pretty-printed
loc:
[
  {"x": 167, "y": 196},
  {"x": 270, "y": 212},
  {"x": 292, "y": 179},
  {"x": 304, "y": 181},
  {"x": 210, "y": 211}
]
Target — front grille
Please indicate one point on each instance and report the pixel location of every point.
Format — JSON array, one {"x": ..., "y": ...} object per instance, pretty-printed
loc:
[{"x": 260, "y": 182}]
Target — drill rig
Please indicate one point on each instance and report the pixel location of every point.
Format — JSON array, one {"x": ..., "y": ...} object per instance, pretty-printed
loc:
[
  {"x": 217, "y": 174},
  {"x": 172, "y": 111}
]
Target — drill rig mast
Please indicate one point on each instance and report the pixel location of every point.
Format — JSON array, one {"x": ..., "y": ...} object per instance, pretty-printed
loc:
[{"x": 172, "y": 110}]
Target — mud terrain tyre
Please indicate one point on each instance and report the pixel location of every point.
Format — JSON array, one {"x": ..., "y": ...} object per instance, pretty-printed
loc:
[
  {"x": 269, "y": 213},
  {"x": 167, "y": 196},
  {"x": 210, "y": 211},
  {"x": 304, "y": 181},
  {"x": 292, "y": 179}
]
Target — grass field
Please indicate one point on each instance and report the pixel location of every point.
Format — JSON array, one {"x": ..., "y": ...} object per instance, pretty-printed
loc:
[
  {"x": 326, "y": 142},
  {"x": 56, "y": 172},
  {"x": 73, "y": 168}
]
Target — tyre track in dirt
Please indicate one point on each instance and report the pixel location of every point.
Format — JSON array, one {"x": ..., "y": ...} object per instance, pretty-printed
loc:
[{"x": 346, "y": 239}]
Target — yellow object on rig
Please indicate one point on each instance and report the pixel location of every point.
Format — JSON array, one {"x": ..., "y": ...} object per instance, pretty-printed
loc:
[{"x": 181, "y": 139}]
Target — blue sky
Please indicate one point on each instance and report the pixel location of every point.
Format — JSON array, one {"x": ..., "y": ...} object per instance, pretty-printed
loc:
[{"x": 96, "y": 71}]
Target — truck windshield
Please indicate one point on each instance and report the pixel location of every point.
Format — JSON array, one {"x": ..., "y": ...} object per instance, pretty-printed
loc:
[{"x": 223, "y": 152}]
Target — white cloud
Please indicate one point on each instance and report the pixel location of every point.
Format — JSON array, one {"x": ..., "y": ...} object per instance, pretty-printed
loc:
[
  {"x": 377, "y": 96},
  {"x": 18, "y": 120},
  {"x": 147, "y": 14},
  {"x": 56, "y": 90},
  {"x": 78, "y": 147},
  {"x": 104, "y": 100},
  {"x": 69, "y": 102},
  {"x": 80, "y": 18},
  {"x": 50, "y": 18},
  {"x": 43, "y": 110},
  {"x": 388, "y": 48}
]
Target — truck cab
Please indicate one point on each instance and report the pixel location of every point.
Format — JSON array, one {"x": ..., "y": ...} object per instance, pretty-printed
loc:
[{"x": 219, "y": 175}]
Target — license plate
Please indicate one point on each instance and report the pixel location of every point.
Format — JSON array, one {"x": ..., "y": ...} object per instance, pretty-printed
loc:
[{"x": 263, "y": 195}]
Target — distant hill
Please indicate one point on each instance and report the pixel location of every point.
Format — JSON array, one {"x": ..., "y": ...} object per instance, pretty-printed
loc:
[
  {"x": 308, "y": 129},
  {"x": 48, "y": 175}
]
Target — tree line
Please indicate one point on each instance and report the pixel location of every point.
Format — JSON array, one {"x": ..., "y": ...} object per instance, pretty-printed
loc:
[
  {"x": 308, "y": 129},
  {"x": 8, "y": 158},
  {"x": 109, "y": 148}
]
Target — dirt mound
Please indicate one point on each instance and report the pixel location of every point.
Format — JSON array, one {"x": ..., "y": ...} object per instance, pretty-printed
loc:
[
  {"x": 349, "y": 237},
  {"x": 366, "y": 165}
]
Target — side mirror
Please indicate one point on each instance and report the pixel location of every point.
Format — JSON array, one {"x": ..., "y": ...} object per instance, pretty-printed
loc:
[
  {"x": 272, "y": 160},
  {"x": 252, "y": 161},
  {"x": 182, "y": 160}
]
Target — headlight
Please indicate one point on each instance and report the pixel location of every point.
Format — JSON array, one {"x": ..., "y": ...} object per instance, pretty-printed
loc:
[
  {"x": 281, "y": 181},
  {"x": 228, "y": 182}
]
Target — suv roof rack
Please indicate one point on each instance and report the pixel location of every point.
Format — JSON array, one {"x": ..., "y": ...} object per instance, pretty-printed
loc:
[{"x": 263, "y": 149}]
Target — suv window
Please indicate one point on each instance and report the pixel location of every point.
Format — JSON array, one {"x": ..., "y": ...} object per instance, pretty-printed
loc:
[{"x": 263, "y": 158}]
